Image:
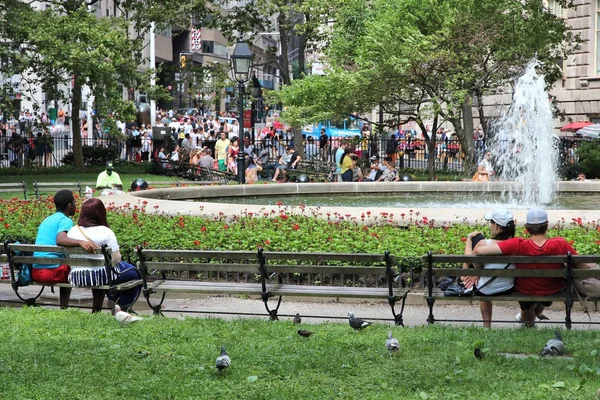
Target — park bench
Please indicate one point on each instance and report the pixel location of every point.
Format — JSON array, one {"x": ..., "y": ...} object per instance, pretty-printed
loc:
[
  {"x": 14, "y": 188},
  {"x": 18, "y": 254},
  {"x": 268, "y": 275},
  {"x": 432, "y": 293}
]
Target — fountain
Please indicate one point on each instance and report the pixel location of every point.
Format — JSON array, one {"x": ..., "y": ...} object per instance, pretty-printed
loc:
[{"x": 523, "y": 143}]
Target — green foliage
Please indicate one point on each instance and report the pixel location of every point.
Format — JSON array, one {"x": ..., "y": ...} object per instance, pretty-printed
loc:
[
  {"x": 277, "y": 229},
  {"x": 94, "y": 155},
  {"x": 588, "y": 154},
  {"x": 66, "y": 354}
]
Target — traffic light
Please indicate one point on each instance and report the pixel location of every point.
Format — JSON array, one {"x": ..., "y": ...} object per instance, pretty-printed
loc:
[{"x": 182, "y": 61}]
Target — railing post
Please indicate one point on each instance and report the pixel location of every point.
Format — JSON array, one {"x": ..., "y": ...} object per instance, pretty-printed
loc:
[
  {"x": 569, "y": 294},
  {"x": 430, "y": 298}
]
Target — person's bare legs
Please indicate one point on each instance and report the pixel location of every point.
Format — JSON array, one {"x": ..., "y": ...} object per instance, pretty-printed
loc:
[
  {"x": 97, "y": 300},
  {"x": 276, "y": 174},
  {"x": 486, "y": 313},
  {"x": 64, "y": 295},
  {"x": 528, "y": 316}
]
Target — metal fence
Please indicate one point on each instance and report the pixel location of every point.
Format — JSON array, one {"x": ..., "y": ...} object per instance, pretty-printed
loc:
[{"x": 44, "y": 150}]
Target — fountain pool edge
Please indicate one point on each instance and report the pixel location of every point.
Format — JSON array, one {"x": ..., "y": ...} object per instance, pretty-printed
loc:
[{"x": 168, "y": 200}]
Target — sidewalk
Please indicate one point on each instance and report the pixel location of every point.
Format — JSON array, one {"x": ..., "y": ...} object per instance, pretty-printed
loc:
[{"x": 415, "y": 312}]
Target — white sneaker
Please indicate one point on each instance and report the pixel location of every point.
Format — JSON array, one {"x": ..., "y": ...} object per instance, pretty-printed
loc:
[
  {"x": 518, "y": 318},
  {"x": 523, "y": 325}
]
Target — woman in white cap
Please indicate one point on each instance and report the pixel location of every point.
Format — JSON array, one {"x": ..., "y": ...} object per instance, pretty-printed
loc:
[{"x": 502, "y": 227}]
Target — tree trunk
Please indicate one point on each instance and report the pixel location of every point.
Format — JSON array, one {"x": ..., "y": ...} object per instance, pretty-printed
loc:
[
  {"x": 283, "y": 40},
  {"x": 76, "y": 128},
  {"x": 298, "y": 142},
  {"x": 302, "y": 56},
  {"x": 469, "y": 143},
  {"x": 430, "y": 142}
]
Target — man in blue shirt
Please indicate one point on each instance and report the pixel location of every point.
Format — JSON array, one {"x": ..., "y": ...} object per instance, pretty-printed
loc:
[{"x": 53, "y": 232}]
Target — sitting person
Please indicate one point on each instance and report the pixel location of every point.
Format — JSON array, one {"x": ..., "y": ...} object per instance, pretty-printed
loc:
[
  {"x": 231, "y": 165},
  {"x": 377, "y": 169},
  {"x": 538, "y": 244},
  {"x": 288, "y": 160},
  {"x": 390, "y": 173},
  {"x": 53, "y": 232},
  {"x": 109, "y": 181},
  {"x": 502, "y": 227},
  {"x": 252, "y": 170},
  {"x": 93, "y": 228},
  {"x": 206, "y": 161}
]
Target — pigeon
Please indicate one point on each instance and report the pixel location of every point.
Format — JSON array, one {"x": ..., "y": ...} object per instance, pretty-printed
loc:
[
  {"x": 305, "y": 333},
  {"x": 392, "y": 343},
  {"x": 223, "y": 361},
  {"x": 554, "y": 347},
  {"x": 297, "y": 319},
  {"x": 478, "y": 353},
  {"x": 123, "y": 317},
  {"x": 356, "y": 323}
]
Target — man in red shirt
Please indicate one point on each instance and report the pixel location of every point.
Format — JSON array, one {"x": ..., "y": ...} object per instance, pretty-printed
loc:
[{"x": 538, "y": 244}]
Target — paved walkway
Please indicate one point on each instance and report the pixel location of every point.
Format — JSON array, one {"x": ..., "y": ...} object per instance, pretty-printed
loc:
[{"x": 415, "y": 312}]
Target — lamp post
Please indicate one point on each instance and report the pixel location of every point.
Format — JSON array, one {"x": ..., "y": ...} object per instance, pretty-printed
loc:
[
  {"x": 256, "y": 93},
  {"x": 241, "y": 64}
]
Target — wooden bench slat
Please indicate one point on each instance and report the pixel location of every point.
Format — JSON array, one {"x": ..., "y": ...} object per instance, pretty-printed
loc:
[
  {"x": 504, "y": 259},
  {"x": 158, "y": 265},
  {"x": 514, "y": 296},
  {"x": 119, "y": 287},
  {"x": 83, "y": 262},
  {"x": 306, "y": 256},
  {"x": 51, "y": 249},
  {"x": 252, "y": 288},
  {"x": 327, "y": 269},
  {"x": 544, "y": 273},
  {"x": 230, "y": 255}
]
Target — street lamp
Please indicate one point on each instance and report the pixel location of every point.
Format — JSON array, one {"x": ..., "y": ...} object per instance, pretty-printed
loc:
[{"x": 241, "y": 64}]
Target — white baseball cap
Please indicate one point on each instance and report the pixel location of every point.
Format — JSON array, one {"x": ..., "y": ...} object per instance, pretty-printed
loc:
[
  {"x": 501, "y": 217},
  {"x": 536, "y": 215}
]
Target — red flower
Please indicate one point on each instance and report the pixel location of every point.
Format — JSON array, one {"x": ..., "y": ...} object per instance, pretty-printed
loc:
[
  {"x": 296, "y": 227},
  {"x": 7, "y": 225},
  {"x": 267, "y": 242},
  {"x": 225, "y": 226},
  {"x": 463, "y": 239},
  {"x": 1, "y": 219},
  {"x": 365, "y": 228},
  {"x": 203, "y": 229},
  {"x": 279, "y": 203},
  {"x": 571, "y": 241},
  {"x": 197, "y": 242}
]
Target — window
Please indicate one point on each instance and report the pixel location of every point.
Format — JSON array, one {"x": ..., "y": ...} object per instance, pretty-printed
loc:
[
  {"x": 211, "y": 47},
  {"x": 555, "y": 8}
]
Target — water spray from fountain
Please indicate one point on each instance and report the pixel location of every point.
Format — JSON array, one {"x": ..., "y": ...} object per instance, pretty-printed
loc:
[{"x": 524, "y": 145}]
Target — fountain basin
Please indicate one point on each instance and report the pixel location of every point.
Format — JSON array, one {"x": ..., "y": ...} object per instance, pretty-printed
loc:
[{"x": 172, "y": 201}]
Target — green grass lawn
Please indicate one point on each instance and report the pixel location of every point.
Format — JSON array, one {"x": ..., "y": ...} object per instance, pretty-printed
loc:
[{"x": 75, "y": 355}]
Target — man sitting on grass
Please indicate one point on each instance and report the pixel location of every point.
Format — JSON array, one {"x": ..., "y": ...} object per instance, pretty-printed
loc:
[
  {"x": 538, "y": 244},
  {"x": 53, "y": 232}
]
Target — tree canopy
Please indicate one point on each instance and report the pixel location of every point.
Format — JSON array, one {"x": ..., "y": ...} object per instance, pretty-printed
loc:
[{"x": 427, "y": 59}]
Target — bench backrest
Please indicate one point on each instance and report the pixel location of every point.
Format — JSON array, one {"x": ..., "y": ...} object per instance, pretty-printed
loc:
[
  {"x": 16, "y": 255},
  {"x": 14, "y": 187},
  {"x": 281, "y": 262}
]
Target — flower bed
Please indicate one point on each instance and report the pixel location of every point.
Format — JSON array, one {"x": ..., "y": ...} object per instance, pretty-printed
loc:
[{"x": 275, "y": 229}]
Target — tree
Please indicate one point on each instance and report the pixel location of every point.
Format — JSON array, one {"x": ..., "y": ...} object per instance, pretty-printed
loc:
[{"x": 428, "y": 60}]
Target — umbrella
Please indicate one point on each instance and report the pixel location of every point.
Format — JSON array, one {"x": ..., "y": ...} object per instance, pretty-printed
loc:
[
  {"x": 575, "y": 126},
  {"x": 592, "y": 131}
]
